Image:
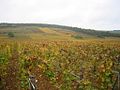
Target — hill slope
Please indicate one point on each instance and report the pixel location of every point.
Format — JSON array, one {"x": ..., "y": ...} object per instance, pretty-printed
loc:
[{"x": 47, "y": 31}]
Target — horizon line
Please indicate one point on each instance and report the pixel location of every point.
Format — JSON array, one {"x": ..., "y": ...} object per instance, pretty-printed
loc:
[{"x": 57, "y": 25}]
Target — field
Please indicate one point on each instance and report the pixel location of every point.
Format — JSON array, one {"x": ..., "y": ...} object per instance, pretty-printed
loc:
[
  {"x": 60, "y": 57},
  {"x": 60, "y": 64}
]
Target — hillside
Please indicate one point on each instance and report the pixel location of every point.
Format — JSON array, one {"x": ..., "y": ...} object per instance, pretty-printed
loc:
[
  {"x": 49, "y": 31},
  {"x": 115, "y": 31}
]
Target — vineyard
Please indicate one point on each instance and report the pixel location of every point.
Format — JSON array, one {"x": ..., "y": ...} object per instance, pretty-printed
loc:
[{"x": 60, "y": 65}]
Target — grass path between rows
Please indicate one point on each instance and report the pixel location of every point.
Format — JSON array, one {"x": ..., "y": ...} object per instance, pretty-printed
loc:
[{"x": 12, "y": 80}]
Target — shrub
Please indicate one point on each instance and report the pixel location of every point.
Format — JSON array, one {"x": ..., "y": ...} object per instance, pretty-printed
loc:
[
  {"x": 77, "y": 37},
  {"x": 11, "y": 34}
]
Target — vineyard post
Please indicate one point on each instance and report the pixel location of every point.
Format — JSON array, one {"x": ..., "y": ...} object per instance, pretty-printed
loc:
[
  {"x": 117, "y": 79},
  {"x": 32, "y": 82}
]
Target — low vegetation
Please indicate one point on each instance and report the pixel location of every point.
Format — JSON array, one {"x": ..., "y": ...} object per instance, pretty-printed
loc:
[{"x": 63, "y": 65}]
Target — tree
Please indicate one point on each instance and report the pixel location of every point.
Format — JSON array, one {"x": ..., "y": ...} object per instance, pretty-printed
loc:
[{"x": 11, "y": 34}]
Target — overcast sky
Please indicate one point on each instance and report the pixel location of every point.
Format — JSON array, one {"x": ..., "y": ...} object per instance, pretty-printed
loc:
[{"x": 94, "y": 14}]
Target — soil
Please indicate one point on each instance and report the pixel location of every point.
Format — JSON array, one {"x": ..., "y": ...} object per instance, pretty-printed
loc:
[{"x": 11, "y": 79}]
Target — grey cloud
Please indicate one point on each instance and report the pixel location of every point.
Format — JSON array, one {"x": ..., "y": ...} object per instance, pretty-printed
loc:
[{"x": 96, "y": 14}]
